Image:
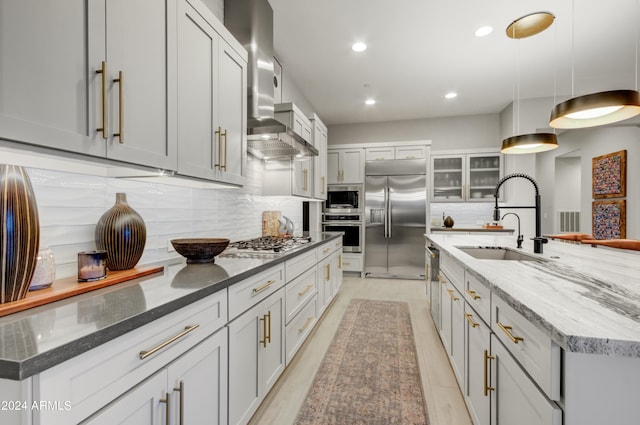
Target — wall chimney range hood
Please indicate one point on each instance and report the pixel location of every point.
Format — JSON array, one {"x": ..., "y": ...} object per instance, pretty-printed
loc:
[{"x": 251, "y": 23}]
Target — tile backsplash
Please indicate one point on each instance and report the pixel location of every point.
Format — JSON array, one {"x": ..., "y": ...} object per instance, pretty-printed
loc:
[{"x": 70, "y": 205}]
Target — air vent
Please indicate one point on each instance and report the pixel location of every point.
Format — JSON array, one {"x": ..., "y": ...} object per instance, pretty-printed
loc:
[{"x": 569, "y": 221}]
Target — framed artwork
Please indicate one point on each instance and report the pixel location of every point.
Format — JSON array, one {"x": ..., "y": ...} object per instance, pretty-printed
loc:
[
  {"x": 609, "y": 175},
  {"x": 609, "y": 219}
]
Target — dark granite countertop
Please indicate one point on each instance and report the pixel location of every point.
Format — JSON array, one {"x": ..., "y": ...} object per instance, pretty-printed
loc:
[{"x": 37, "y": 339}]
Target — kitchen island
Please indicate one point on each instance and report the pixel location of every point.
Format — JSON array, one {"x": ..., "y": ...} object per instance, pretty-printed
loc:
[
  {"x": 570, "y": 319},
  {"x": 70, "y": 339}
]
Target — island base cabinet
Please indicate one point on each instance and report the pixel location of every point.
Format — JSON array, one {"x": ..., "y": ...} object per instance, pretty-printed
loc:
[
  {"x": 476, "y": 392},
  {"x": 515, "y": 399},
  {"x": 192, "y": 389},
  {"x": 256, "y": 356}
]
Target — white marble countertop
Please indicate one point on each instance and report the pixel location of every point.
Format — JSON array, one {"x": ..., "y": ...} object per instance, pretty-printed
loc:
[{"x": 586, "y": 299}]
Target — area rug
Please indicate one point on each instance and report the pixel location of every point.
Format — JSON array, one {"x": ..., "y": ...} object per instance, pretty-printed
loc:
[{"x": 369, "y": 374}]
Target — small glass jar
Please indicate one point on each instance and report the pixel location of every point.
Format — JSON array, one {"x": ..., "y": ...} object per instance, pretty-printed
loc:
[
  {"x": 92, "y": 265},
  {"x": 45, "y": 271}
]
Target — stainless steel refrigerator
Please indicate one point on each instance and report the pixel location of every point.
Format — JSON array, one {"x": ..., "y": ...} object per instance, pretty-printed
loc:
[{"x": 395, "y": 218}]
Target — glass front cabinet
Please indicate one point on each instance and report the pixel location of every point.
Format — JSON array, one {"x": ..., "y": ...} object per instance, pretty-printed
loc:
[{"x": 465, "y": 177}]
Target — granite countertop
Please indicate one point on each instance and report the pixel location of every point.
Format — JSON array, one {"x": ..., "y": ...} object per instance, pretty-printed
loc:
[
  {"x": 39, "y": 338},
  {"x": 586, "y": 299}
]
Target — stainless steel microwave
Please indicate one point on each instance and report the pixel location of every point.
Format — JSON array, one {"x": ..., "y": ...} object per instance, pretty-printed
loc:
[{"x": 343, "y": 199}]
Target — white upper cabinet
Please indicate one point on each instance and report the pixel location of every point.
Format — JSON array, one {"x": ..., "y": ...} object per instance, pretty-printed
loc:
[
  {"x": 396, "y": 152},
  {"x": 211, "y": 99},
  {"x": 319, "y": 162},
  {"x": 71, "y": 68},
  {"x": 465, "y": 176},
  {"x": 345, "y": 165}
]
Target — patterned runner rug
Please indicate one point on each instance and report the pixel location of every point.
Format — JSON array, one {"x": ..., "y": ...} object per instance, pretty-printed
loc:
[{"x": 369, "y": 374}]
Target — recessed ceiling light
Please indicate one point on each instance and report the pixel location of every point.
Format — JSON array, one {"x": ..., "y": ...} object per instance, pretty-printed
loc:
[
  {"x": 370, "y": 101},
  {"x": 451, "y": 95},
  {"x": 482, "y": 31},
  {"x": 359, "y": 47}
]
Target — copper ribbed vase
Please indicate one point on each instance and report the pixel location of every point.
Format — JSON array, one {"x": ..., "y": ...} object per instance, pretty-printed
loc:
[
  {"x": 19, "y": 232},
  {"x": 122, "y": 233}
]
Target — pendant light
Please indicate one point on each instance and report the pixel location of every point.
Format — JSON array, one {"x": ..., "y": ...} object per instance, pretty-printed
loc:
[
  {"x": 596, "y": 109},
  {"x": 526, "y": 26}
]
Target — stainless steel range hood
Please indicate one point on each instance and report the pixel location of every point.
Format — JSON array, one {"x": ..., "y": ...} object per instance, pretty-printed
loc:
[{"x": 251, "y": 22}]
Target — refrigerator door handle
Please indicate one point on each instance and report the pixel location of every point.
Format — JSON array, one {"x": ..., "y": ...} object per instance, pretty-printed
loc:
[{"x": 387, "y": 213}]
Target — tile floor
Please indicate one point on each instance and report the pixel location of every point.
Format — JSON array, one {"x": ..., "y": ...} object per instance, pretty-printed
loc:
[{"x": 444, "y": 401}]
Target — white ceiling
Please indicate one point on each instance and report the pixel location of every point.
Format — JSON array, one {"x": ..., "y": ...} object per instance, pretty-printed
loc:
[{"x": 421, "y": 49}]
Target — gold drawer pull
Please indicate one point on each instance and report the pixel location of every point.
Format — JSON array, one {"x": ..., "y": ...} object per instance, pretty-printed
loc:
[
  {"x": 224, "y": 166},
  {"x": 306, "y": 324},
  {"x": 453, "y": 297},
  {"x": 441, "y": 279},
  {"x": 473, "y": 294},
  {"x": 180, "y": 389},
  {"x": 105, "y": 102},
  {"x": 167, "y": 401},
  {"x": 144, "y": 354},
  {"x": 322, "y": 179},
  {"x": 507, "y": 329},
  {"x": 264, "y": 286},
  {"x": 487, "y": 388},
  {"x": 120, "y": 81},
  {"x": 470, "y": 320},
  {"x": 219, "y": 137},
  {"x": 305, "y": 290}
]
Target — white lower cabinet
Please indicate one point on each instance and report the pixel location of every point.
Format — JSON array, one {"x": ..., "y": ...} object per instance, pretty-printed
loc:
[
  {"x": 476, "y": 388},
  {"x": 192, "y": 389},
  {"x": 256, "y": 355},
  {"x": 516, "y": 399}
]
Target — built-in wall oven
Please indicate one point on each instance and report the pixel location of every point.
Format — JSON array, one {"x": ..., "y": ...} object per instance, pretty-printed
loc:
[
  {"x": 350, "y": 224},
  {"x": 343, "y": 199}
]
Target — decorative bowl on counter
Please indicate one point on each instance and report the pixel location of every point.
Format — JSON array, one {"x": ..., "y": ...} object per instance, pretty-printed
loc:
[{"x": 200, "y": 250}]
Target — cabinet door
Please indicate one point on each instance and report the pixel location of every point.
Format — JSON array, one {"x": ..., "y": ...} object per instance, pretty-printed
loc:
[
  {"x": 245, "y": 334},
  {"x": 379, "y": 154},
  {"x": 273, "y": 351},
  {"x": 410, "y": 152},
  {"x": 46, "y": 92},
  {"x": 325, "y": 289},
  {"x": 336, "y": 271},
  {"x": 478, "y": 340},
  {"x": 320, "y": 163},
  {"x": 139, "y": 406},
  {"x": 448, "y": 177},
  {"x": 333, "y": 167},
  {"x": 141, "y": 81},
  {"x": 302, "y": 173},
  {"x": 457, "y": 333},
  {"x": 197, "y": 80},
  {"x": 232, "y": 87},
  {"x": 516, "y": 399},
  {"x": 445, "y": 324},
  {"x": 198, "y": 383},
  {"x": 352, "y": 166},
  {"x": 484, "y": 174}
]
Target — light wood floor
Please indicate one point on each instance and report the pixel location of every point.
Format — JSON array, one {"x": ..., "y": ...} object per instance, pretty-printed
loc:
[{"x": 444, "y": 401}]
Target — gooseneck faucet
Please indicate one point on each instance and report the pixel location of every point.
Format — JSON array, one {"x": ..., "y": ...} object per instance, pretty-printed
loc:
[
  {"x": 520, "y": 237},
  {"x": 538, "y": 240}
]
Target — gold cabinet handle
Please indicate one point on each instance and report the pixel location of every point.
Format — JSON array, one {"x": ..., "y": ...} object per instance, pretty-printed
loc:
[
  {"x": 167, "y": 400},
  {"x": 469, "y": 318},
  {"x": 305, "y": 174},
  {"x": 487, "y": 358},
  {"x": 180, "y": 389},
  {"x": 346, "y": 263},
  {"x": 327, "y": 274},
  {"x": 120, "y": 81},
  {"x": 218, "y": 133},
  {"x": 340, "y": 261},
  {"x": 105, "y": 101},
  {"x": 305, "y": 290},
  {"x": 507, "y": 330},
  {"x": 453, "y": 297},
  {"x": 263, "y": 286},
  {"x": 306, "y": 324},
  {"x": 265, "y": 337},
  {"x": 473, "y": 294},
  {"x": 322, "y": 191},
  {"x": 144, "y": 354},
  {"x": 441, "y": 279},
  {"x": 224, "y": 165}
]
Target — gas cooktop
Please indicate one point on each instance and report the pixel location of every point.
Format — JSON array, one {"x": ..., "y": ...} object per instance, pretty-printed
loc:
[{"x": 268, "y": 244}]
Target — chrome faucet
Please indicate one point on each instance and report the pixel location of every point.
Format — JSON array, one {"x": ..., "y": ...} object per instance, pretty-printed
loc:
[
  {"x": 538, "y": 240},
  {"x": 520, "y": 237}
]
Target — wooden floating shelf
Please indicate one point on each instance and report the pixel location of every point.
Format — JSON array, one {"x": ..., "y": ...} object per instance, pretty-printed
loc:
[{"x": 69, "y": 287}]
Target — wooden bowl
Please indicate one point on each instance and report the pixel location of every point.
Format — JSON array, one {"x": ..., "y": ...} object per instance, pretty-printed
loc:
[{"x": 199, "y": 250}]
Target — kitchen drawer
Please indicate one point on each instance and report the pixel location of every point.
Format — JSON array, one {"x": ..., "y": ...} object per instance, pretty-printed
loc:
[
  {"x": 327, "y": 248},
  {"x": 251, "y": 291},
  {"x": 299, "y": 264},
  {"x": 453, "y": 270},
  {"x": 352, "y": 262},
  {"x": 478, "y": 296},
  {"x": 95, "y": 378},
  {"x": 299, "y": 292},
  {"x": 299, "y": 328},
  {"x": 534, "y": 351}
]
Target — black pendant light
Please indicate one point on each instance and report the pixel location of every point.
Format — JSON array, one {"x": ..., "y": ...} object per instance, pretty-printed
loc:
[
  {"x": 522, "y": 27},
  {"x": 596, "y": 109}
]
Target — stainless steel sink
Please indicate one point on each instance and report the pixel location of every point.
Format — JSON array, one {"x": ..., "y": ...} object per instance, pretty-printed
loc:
[{"x": 497, "y": 253}]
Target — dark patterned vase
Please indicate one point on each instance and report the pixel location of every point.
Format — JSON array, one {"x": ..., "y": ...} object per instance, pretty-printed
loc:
[
  {"x": 122, "y": 233},
  {"x": 19, "y": 232}
]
